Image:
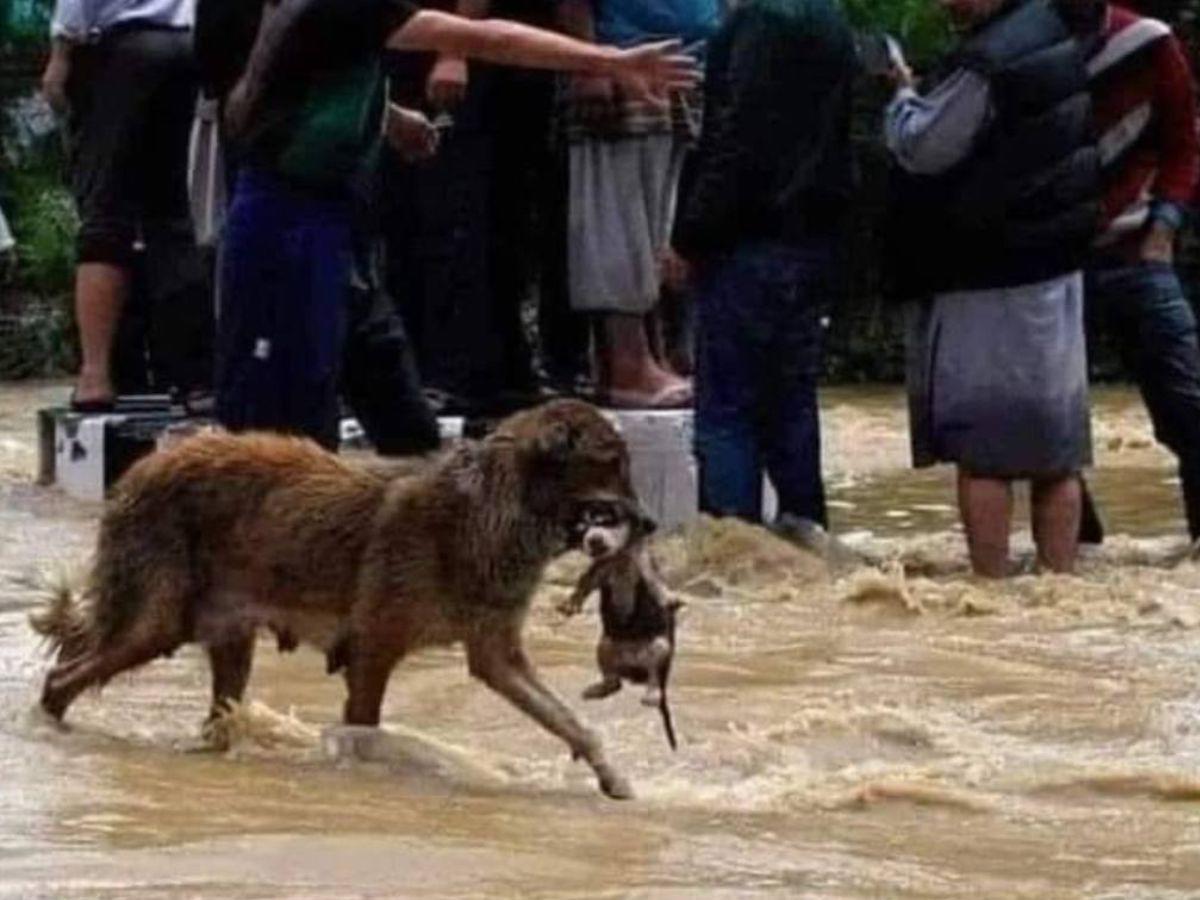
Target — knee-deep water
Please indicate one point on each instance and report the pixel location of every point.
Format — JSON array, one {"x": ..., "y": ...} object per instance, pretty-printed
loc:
[{"x": 898, "y": 729}]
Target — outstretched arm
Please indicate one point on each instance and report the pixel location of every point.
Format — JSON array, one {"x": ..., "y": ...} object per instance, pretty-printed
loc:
[{"x": 647, "y": 71}]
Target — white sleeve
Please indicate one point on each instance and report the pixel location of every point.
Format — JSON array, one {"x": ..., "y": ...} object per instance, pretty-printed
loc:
[
  {"x": 73, "y": 20},
  {"x": 930, "y": 134},
  {"x": 6, "y": 238}
]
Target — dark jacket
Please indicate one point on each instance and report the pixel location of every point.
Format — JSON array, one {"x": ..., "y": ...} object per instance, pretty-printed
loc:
[
  {"x": 1023, "y": 207},
  {"x": 774, "y": 156}
]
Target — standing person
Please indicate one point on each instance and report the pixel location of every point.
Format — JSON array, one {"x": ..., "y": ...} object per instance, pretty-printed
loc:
[
  {"x": 1145, "y": 114},
  {"x": 302, "y": 119},
  {"x": 759, "y": 228},
  {"x": 122, "y": 72},
  {"x": 476, "y": 228},
  {"x": 999, "y": 205},
  {"x": 626, "y": 159}
]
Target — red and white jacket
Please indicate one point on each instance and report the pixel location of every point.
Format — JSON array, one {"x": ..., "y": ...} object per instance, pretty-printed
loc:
[{"x": 1145, "y": 113}]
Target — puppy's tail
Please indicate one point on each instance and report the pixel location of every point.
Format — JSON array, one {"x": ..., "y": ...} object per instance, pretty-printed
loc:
[
  {"x": 664, "y": 675},
  {"x": 668, "y": 725},
  {"x": 65, "y": 619}
]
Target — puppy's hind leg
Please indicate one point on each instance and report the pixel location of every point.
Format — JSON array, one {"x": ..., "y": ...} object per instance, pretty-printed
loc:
[
  {"x": 500, "y": 662},
  {"x": 605, "y": 687},
  {"x": 657, "y": 665}
]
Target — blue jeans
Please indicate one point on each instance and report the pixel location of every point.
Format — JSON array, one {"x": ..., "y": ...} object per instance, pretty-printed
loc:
[
  {"x": 758, "y": 356},
  {"x": 1145, "y": 307},
  {"x": 285, "y": 265}
]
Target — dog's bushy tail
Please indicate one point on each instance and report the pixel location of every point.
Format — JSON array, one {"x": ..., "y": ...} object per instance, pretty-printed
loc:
[{"x": 65, "y": 619}]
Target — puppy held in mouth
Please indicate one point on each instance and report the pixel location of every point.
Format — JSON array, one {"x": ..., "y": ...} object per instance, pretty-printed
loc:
[{"x": 638, "y": 616}]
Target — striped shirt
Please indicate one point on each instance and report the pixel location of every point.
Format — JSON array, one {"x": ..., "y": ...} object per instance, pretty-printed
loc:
[{"x": 1145, "y": 114}]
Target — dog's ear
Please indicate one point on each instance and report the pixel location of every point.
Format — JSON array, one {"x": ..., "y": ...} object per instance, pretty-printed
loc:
[
  {"x": 556, "y": 443},
  {"x": 674, "y": 607}
]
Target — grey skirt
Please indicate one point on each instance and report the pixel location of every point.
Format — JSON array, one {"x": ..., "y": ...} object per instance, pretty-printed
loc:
[
  {"x": 622, "y": 206},
  {"x": 997, "y": 380}
]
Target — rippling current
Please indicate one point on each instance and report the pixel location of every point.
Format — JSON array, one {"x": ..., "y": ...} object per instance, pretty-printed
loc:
[{"x": 895, "y": 729}]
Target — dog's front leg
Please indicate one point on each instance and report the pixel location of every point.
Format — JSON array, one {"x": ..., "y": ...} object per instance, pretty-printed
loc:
[{"x": 501, "y": 663}]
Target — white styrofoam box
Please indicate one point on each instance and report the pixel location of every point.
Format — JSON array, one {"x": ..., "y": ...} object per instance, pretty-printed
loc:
[
  {"x": 79, "y": 443},
  {"x": 661, "y": 462},
  {"x": 452, "y": 428},
  {"x": 663, "y": 465}
]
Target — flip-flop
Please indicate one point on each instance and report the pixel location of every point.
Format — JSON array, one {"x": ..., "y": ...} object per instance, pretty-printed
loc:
[
  {"x": 676, "y": 397},
  {"x": 91, "y": 407}
]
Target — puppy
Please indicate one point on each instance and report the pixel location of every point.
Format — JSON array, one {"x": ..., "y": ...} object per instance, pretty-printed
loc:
[{"x": 638, "y": 643}]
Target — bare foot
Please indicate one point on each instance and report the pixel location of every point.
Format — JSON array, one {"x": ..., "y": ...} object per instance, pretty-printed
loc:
[{"x": 91, "y": 390}]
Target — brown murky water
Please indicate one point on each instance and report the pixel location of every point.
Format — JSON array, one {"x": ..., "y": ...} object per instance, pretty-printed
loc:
[{"x": 899, "y": 731}]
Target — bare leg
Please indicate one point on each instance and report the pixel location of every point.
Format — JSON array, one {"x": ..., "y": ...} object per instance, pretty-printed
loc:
[
  {"x": 626, "y": 364},
  {"x": 986, "y": 507},
  {"x": 499, "y": 661},
  {"x": 100, "y": 292},
  {"x": 1057, "y": 508}
]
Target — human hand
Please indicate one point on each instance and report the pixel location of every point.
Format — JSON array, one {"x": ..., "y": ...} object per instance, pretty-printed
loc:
[
  {"x": 650, "y": 72},
  {"x": 1158, "y": 246},
  {"x": 410, "y": 134},
  {"x": 901, "y": 75},
  {"x": 675, "y": 271},
  {"x": 54, "y": 79},
  {"x": 447, "y": 82}
]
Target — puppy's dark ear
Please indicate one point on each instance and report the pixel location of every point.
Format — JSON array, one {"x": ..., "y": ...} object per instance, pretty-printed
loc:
[{"x": 674, "y": 606}]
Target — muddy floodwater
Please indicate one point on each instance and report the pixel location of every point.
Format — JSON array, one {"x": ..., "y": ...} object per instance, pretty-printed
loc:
[{"x": 895, "y": 729}]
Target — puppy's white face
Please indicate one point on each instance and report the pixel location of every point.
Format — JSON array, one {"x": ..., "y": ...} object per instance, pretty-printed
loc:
[{"x": 602, "y": 540}]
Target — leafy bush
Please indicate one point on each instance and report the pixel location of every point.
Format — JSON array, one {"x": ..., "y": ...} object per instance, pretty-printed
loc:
[
  {"x": 921, "y": 26},
  {"x": 44, "y": 223}
]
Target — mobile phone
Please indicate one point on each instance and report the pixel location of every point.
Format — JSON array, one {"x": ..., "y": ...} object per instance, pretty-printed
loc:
[{"x": 878, "y": 52}]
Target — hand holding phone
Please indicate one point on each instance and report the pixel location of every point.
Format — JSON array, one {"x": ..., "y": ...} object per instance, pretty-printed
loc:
[{"x": 880, "y": 55}]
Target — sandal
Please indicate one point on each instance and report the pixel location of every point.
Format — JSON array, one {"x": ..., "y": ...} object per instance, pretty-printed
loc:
[
  {"x": 676, "y": 397},
  {"x": 91, "y": 407}
]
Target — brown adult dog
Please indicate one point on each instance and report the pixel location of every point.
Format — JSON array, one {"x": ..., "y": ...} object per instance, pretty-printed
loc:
[{"x": 223, "y": 534}]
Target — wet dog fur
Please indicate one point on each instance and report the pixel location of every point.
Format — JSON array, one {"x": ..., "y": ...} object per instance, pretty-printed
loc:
[
  {"x": 222, "y": 535},
  {"x": 638, "y": 615}
]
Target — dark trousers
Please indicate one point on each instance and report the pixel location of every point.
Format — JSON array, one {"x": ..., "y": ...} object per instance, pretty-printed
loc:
[
  {"x": 474, "y": 229},
  {"x": 1147, "y": 311},
  {"x": 758, "y": 357},
  {"x": 284, "y": 271}
]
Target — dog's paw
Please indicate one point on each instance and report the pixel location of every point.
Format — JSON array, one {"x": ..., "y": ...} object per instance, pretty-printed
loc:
[{"x": 616, "y": 786}]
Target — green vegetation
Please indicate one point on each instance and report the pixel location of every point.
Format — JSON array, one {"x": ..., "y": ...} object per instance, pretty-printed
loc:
[
  {"x": 36, "y": 331},
  {"x": 920, "y": 26}
]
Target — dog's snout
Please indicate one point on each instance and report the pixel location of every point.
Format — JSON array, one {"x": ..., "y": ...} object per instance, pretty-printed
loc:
[{"x": 596, "y": 545}]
